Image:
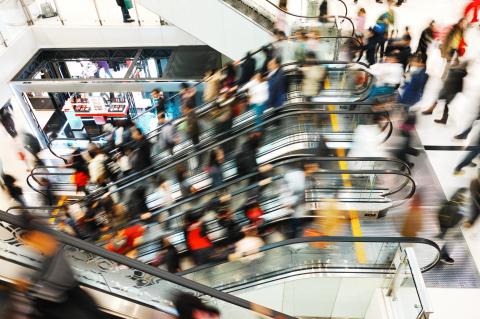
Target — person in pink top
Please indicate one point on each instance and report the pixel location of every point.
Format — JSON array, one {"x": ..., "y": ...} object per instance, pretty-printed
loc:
[{"x": 360, "y": 21}]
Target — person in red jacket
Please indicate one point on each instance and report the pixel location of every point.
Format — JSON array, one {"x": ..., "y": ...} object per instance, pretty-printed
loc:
[{"x": 198, "y": 243}]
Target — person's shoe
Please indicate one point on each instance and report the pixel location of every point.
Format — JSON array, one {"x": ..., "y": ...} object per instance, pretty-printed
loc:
[
  {"x": 378, "y": 1},
  {"x": 467, "y": 225},
  {"x": 472, "y": 164},
  {"x": 460, "y": 137},
  {"x": 441, "y": 121},
  {"x": 458, "y": 172},
  {"x": 447, "y": 260},
  {"x": 429, "y": 110},
  {"x": 128, "y": 20}
]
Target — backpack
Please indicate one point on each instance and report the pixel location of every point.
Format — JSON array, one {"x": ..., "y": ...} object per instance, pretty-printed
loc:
[{"x": 449, "y": 215}]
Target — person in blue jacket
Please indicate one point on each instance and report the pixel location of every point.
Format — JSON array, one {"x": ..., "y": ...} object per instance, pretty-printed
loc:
[
  {"x": 414, "y": 87},
  {"x": 277, "y": 86}
]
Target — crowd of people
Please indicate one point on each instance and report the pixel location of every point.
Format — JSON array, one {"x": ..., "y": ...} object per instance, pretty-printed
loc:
[{"x": 119, "y": 218}]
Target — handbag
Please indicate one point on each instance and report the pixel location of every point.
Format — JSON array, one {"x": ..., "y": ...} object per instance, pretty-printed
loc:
[{"x": 128, "y": 4}]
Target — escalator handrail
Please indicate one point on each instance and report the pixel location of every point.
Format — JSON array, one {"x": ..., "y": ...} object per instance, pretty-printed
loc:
[
  {"x": 153, "y": 271},
  {"x": 336, "y": 239},
  {"x": 146, "y": 173}
]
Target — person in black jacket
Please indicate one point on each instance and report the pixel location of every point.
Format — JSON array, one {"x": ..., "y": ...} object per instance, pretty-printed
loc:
[
  {"x": 425, "y": 39},
  {"x": 246, "y": 159},
  {"x": 170, "y": 255},
  {"x": 247, "y": 69},
  {"x": 475, "y": 199},
  {"x": 450, "y": 216},
  {"x": 141, "y": 156},
  {"x": 232, "y": 229},
  {"x": 137, "y": 205},
  {"x": 158, "y": 101},
  {"x": 453, "y": 85},
  {"x": 323, "y": 12}
]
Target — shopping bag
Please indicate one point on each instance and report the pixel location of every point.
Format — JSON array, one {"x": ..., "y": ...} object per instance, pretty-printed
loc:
[{"x": 128, "y": 4}]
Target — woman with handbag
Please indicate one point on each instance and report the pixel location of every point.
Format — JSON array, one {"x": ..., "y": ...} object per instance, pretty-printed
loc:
[{"x": 125, "y": 5}]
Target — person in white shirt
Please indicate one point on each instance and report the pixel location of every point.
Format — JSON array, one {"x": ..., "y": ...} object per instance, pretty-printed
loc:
[
  {"x": 388, "y": 76},
  {"x": 257, "y": 90}
]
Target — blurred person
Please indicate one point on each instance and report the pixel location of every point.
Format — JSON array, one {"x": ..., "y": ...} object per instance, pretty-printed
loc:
[
  {"x": 232, "y": 230},
  {"x": 417, "y": 78},
  {"x": 246, "y": 158},
  {"x": 389, "y": 75},
  {"x": 165, "y": 194},
  {"x": 191, "y": 307},
  {"x": 14, "y": 191},
  {"x": 198, "y": 243},
  {"x": 475, "y": 201},
  {"x": 453, "y": 85},
  {"x": 360, "y": 20},
  {"x": 247, "y": 69},
  {"x": 126, "y": 240},
  {"x": 451, "y": 43},
  {"x": 81, "y": 174},
  {"x": 126, "y": 15},
  {"x": 137, "y": 204},
  {"x": 47, "y": 191},
  {"x": 167, "y": 139},
  {"x": 253, "y": 210},
  {"x": 169, "y": 256},
  {"x": 352, "y": 48},
  {"x": 248, "y": 248},
  {"x": 367, "y": 139},
  {"x": 414, "y": 220},
  {"x": 471, "y": 155},
  {"x": 426, "y": 38},
  {"x": 193, "y": 128},
  {"x": 158, "y": 101},
  {"x": 449, "y": 216},
  {"x": 385, "y": 22},
  {"x": 102, "y": 64},
  {"x": 257, "y": 89},
  {"x": 229, "y": 76},
  {"x": 277, "y": 86},
  {"x": 188, "y": 97},
  {"x": 401, "y": 49},
  {"x": 370, "y": 47},
  {"x": 31, "y": 144},
  {"x": 141, "y": 156},
  {"x": 212, "y": 80},
  {"x": 223, "y": 114},
  {"x": 406, "y": 132},
  {"x": 97, "y": 166},
  {"x": 214, "y": 168},
  {"x": 268, "y": 55},
  {"x": 123, "y": 161},
  {"x": 313, "y": 76},
  {"x": 6, "y": 119},
  {"x": 186, "y": 188},
  {"x": 323, "y": 11},
  {"x": 54, "y": 288},
  {"x": 300, "y": 45},
  {"x": 281, "y": 21}
]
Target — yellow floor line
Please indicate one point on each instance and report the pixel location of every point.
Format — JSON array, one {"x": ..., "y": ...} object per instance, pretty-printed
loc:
[
  {"x": 60, "y": 203},
  {"x": 354, "y": 219}
]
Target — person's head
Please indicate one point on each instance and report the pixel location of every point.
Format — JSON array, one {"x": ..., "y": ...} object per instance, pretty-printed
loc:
[
  {"x": 191, "y": 217},
  {"x": 216, "y": 157},
  {"x": 229, "y": 69},
  {"x": 362, "y": 12},
  {"x": 273, "y": 64},
  {"x": 250, "y": 231},
  {"x": 165, "y": 242},
  {"x": 224, "y": 213},
  {"x": 431, "y": 25},
  {"x": 161, "y": 180},
  {"x": 391, "y": 58},
  {"x": 184, "y": 86},
  {"x": 258, "y": 76},
  {"x": 462, "y": 23},
  {"x": 136, "y": 133},
  {"x": 181, "y": 172},
  {"x": 157, "y": 94},
  {"x": 416, "y": 62},
  {"x": 310, "y": 56},
  {"x": 161, "y": 118}
]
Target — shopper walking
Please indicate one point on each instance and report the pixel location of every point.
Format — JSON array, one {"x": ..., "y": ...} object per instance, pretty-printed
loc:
[
  {"x": 426, "y": 39},
  {"x": 449, "y": 216},
  {"x": 7, "y": 121},
  {"x": 125, "y": 5},
  {"x": 453, "y": 85},
  {"x": 471, "y": 155},
  {"x": 475, "y": 200}
]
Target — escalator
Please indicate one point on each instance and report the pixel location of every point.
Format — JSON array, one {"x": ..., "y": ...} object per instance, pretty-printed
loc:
[
  {"x": 320, "y": 277},
  {"x": 239, "y": 25},
  {"x": 371, "y": 187},
  {"x": 299, "y": 130},
  {"x": 340, "y": 89}
]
